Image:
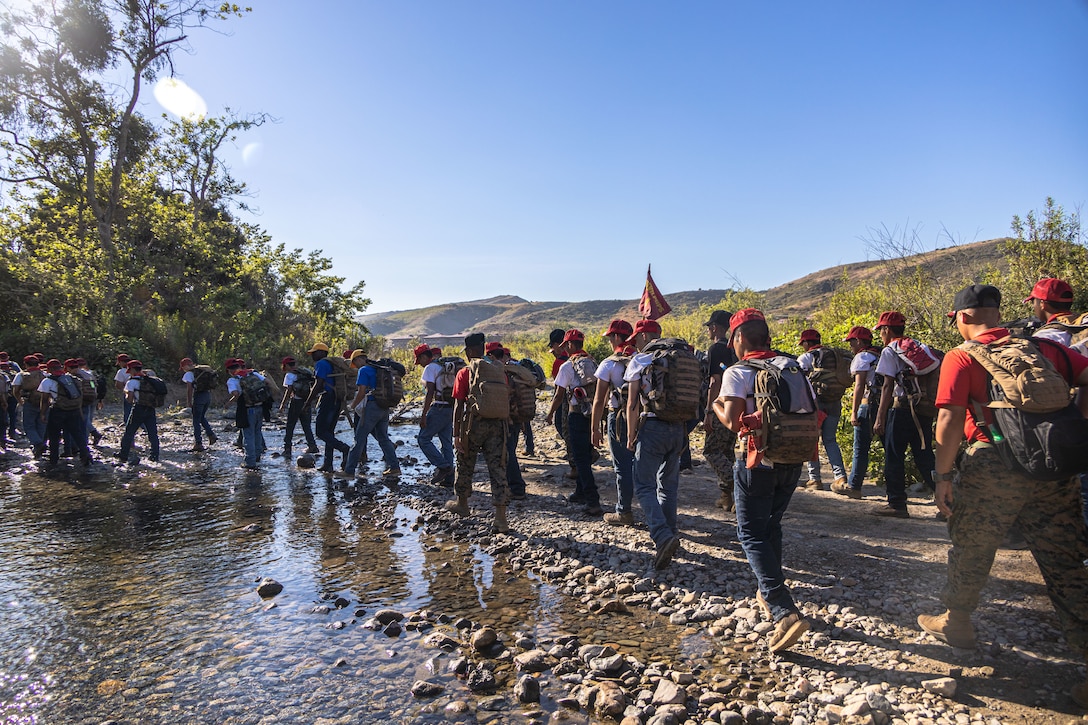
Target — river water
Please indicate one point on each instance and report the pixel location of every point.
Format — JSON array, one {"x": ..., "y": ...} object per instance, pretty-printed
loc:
[{"x": 129, "y": 595}]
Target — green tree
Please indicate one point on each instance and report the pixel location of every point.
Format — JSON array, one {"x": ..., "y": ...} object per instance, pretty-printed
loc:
[{"x": 1049, "y": 243}]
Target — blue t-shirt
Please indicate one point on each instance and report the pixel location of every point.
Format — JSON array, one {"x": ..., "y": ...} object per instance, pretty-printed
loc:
[
  {"x": 368, "y": 376},
  {"x": 323, "y": 369}
]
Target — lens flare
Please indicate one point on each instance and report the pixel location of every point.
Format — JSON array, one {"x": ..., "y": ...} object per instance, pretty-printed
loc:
[{"x": 179, "y": 99}]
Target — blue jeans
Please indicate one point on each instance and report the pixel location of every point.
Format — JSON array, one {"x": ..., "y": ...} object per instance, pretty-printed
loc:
[
  {"x": 622, "y": 461},
  {"x": 88, "y": 419},
  {"x": 440, "y": 424},
  {"x": 863, "y": 440},
  {"x": 374, "y": 421},
  {"x": 252, "y": 438},
  {"x": 656, "y": 474},
  {"x": 33, "y": 425},
  {"x": 530, "y": 442},
  {"x": 127, "y": 407},
  {"x": 514, "y": 479},
  {"x": 69, "y": 424},
  {"x": 581, "y": 450},
  {"x": 141, "y": 416},
  {"x": 829, "y": 442},
  {"x": 762, "y": 496},
  {"x": 13, "y": 409},
  {"x": 328, "y": 412},
  {"x": 201, "y": 402},
  {"x": 900, "y": 433},
  {"x": 296, "y": 414}
]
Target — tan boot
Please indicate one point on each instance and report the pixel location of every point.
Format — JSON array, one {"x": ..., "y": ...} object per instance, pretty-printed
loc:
[
  {"x": 500, "y": 526},
  {"x": 953, "y": 627},
  {"x": 725, "y": 501},
  {"x": 459, "y": 507}
]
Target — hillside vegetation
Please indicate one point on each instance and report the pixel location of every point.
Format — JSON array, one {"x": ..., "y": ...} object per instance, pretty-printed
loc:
[{"x": 800, "y": 298}]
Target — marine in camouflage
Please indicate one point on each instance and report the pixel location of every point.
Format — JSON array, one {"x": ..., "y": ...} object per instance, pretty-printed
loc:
[
  {"x": 489, "y": 438},
  {"x": 987, "y": 501}
]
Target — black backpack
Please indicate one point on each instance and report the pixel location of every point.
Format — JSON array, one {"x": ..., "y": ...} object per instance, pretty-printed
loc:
[{"x": 389, "y": 389}]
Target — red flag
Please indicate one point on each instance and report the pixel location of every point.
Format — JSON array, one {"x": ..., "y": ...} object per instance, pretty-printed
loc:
[{"x": 653, "y": 304}]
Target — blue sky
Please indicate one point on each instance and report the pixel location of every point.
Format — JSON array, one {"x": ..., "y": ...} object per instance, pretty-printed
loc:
[{"x": 446, "y": 151}]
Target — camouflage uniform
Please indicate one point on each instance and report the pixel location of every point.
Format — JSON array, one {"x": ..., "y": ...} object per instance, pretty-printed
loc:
[
  {"x": 487, "y": 437},
  {"x": 988, "y": 500},
  {"x": 719, "y": 452}
]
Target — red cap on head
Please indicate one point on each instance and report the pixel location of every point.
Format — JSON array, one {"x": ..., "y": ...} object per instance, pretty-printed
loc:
[
  {"x": 54, "y": 364},
  {"x": 133, "y": 364},
  {"x": 30, "y": 360},
  {"x": 81, "y": 361},
  {"x": 619, "y": 327},
  {"x": 231, "y": 362},
  {"x": 287, "y": 361},
  {"x": 347, "y": 353},
  {"x": 858, "y": 332},
  {"x": 185, "y": 361},
  {"x": 72, "y": 362},
  {"x": 810, "y": 335},
  {"x": 506, "y": 352},
  {"x": 573, "y": 334},
  {"x": 1051, "y": 289},
  {"x": 421, "y": 350},
  {"x": 3, "y": 356},
  {"x": 122, "y": 359},
  {"x": 492, "y": 347},
  {"x": 891, "y": 319},
  {"x": 647, "y": 326},
  {"x": 739, "y": 317},
  {"x": 40, "y": 356},
  {"x": 436, "y": 352}
]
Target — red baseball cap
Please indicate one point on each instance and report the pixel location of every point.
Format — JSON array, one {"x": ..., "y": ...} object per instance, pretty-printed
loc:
[
  {"x": 347, "y": 353},
  {"x": 810, "y": 335},
  {"x": 232, "y": 362},
  {"x": 1051, "y": 289},
  {"x": 30, "y": 360},
  {"x": 436, "y": 352},
  {"x": 185, "y": 361},
  {"x": 858, "y": 332},
  {"x": 72, "y": 362},
  {"x": 618, "y": 327},
  {"x": 738, "y": 318},
  {"x": 506, "y": 352},
  {"x": 122, "y": 359},
  {"x": 492, "y": 347},
  {"x": 573, "y": 334},
  {"x": 287, "y": 361},
  {"x": 891, "y": 319},
  {"x": 54, "y": 364},
  {"x": 421, "y": 350},
  {"x": 647, "y": 326},
  {"x": 134, "y": 364}
]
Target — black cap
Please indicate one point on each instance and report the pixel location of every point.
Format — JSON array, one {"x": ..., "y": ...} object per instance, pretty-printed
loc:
[
  {"x": 476, "y": 339},
  {"x": 556, "y": 336},
  {"x": 975, "y": 296},
  {"x": 719, "y": 318}
]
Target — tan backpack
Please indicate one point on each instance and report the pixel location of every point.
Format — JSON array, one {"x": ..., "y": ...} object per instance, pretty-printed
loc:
[
  {"x": 1026, "y": 376},
  {"x": 343, "y": 376},
  {"x": 523, "y": 400},
  {"x": 488, "y": 389}
]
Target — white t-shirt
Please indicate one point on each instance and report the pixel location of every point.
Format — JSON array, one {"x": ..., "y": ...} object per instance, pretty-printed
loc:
[
  {"x": 289, "y": 379},
  {"x": 234, "y": 385},
  {"x": 611, "y": 372},
  {"x": 50, "y": 387},
  {"x": 122, "y": 376},
  {"x": 1062, "y": 336},
  {"x": 566, "y": 377},
  {"x": 890, "y": 365},
  {"x": 633, "y": 374},
  {"x": 133, "y": 384},
  {"x": 864, "y": 362},
  {"x": 188, "y": 377},
  {"x": 430, "y": 373},
  {"x": 807, "y": 360},
  {"x": 739, "y": 381}
]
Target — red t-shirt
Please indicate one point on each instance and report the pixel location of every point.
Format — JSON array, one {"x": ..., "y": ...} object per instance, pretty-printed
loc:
[
  {"x": 963, "y": 380},
  {"x": 558, "y": 363},
  {"x": 460, "y": 385}
]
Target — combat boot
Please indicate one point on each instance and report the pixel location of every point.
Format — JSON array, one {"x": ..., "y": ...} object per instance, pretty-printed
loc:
[
  {"x": 953, "y": 627},
  {"x": 459, "y": 507},
  {"x": 500, "y": 526}
]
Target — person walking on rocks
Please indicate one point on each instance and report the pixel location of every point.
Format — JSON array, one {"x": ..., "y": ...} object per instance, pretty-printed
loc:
[
  {"x": 514, "y": 477},
  {"x": 899, "y": 421},
  {"x": 719, "y": 443},
  {"x": 865, "y": 400},
  {"x": 26, "y": 384},
  {"x": 657, "y": 445},
  {"x": 481, "y": 411},
  {"x": 576, "y": 378},
  {"x": 141, "y": 413},
  {"x": 61, "y": 409},
  {"x": 297, "y": 386},
  {"x": 371, "y": 419},
  {"x": 248, "y": 392},
  {"x": 198, "y": 395},
  {"x": 330, "y": 401},
  {"x": 988, "y": 497},
  {"x": 820, "y": 364},
  {"x": 764, "y": 487},
  {"x": 612, "y": 391},
  {"x": 436, "y": 420},
  {"x": 559, "y": 352}
]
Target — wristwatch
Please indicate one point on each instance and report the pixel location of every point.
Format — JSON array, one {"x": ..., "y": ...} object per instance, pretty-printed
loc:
[{"x": 944, "y": 476}]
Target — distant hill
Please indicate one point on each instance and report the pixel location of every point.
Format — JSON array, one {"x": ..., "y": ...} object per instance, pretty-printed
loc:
[{"x": 507, "y": 314}]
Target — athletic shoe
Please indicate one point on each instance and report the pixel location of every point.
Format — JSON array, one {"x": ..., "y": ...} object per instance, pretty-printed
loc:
[{"x": 787, "y": 631}]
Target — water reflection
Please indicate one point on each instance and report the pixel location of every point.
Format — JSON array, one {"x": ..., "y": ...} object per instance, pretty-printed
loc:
[{"x": 130, "y": 596}]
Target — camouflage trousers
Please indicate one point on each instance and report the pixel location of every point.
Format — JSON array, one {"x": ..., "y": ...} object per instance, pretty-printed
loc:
[
  {"x": 988, "y": 500},
  {"x": 719, "y": 452},
  {"x": 489, "y": 438}
]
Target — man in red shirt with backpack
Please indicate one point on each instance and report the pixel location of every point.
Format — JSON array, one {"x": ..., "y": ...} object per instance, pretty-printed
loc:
[{"x": 993, "y": 490}]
